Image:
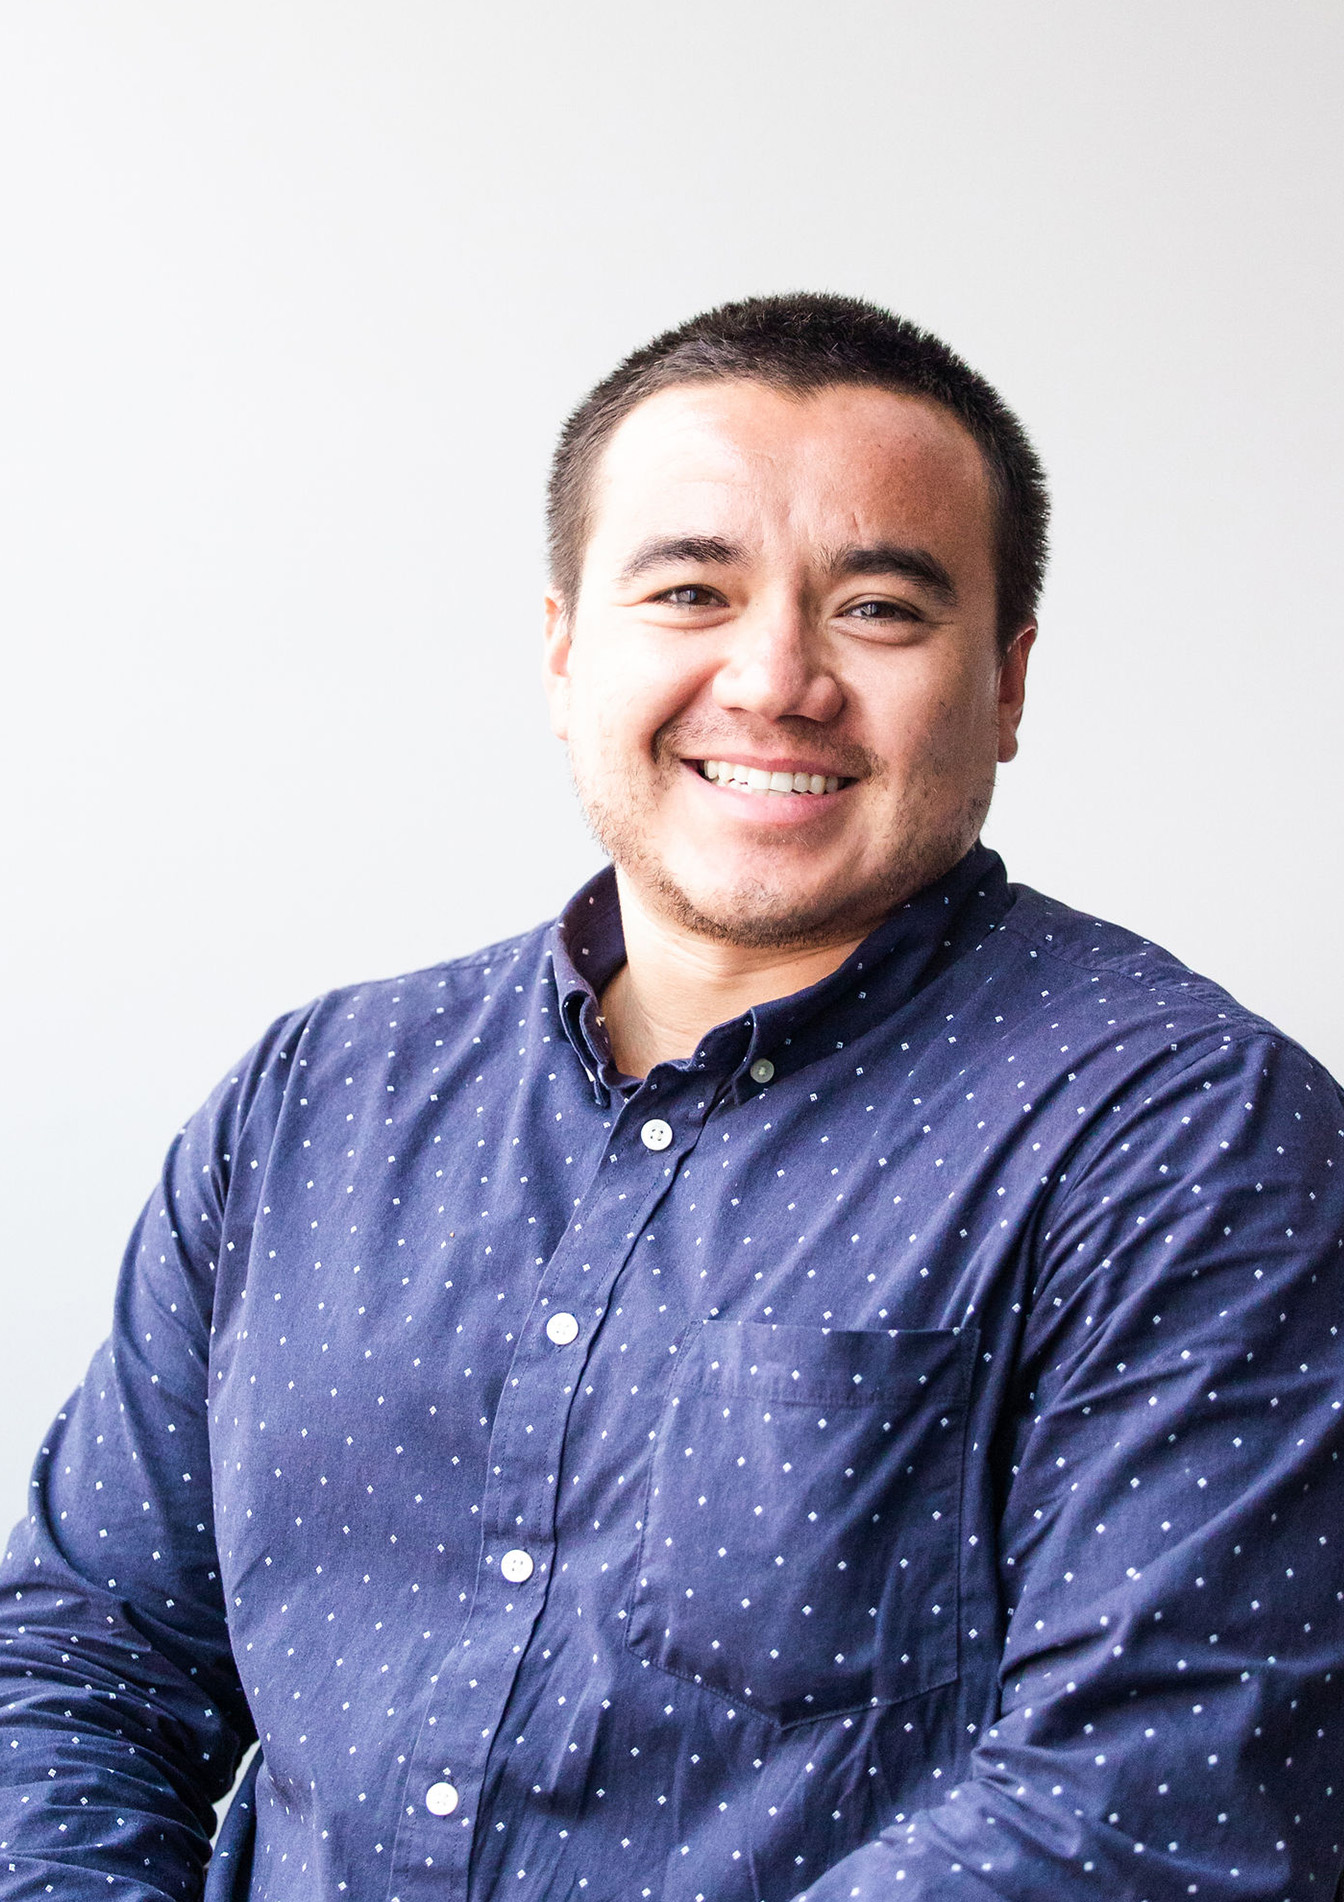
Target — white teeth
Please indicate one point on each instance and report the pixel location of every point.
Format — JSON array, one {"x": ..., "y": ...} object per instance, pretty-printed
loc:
[{"x": 757, "y": 779}]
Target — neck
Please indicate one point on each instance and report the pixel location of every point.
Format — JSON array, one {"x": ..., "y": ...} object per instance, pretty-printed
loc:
[{"x": 675, "y": 986}]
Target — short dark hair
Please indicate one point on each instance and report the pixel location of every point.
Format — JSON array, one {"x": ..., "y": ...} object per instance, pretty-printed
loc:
[{"x": 804, "y": 342}]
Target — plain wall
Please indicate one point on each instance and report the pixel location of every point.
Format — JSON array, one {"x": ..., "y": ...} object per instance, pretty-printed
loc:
[{"x": 295, "y": 295}]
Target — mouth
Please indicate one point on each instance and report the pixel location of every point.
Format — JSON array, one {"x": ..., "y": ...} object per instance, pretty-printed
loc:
[{"x": 761, "y": 779}]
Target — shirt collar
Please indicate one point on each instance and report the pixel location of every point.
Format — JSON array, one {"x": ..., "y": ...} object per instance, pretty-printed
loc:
[{"x": 587, "y": 948}]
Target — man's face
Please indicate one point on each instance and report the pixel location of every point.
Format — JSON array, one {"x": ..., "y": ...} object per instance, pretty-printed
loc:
[{"x": 800, "y": 587}]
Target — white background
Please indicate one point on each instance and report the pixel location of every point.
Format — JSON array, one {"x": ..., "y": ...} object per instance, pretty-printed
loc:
[{"x": 292, "y": 299}]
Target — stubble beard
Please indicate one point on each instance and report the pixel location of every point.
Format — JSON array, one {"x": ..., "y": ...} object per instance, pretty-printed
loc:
[{"x": 926, "y": 841}]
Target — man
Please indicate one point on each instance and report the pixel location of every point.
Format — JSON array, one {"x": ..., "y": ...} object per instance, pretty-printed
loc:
[{"x": 816, "y": 1375}]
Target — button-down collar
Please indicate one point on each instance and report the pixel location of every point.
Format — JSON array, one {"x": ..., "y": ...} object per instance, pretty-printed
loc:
[{"x": 587, "y": 948}]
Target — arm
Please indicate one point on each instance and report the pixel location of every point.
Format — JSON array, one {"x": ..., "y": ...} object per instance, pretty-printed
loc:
[
  {"x": 1169, "y": 1720},
  {"x": 121, "y": 1715}
]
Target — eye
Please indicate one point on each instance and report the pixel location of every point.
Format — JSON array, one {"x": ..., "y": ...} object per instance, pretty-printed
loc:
[
  {"x": 882, "y": 611},
  {"x": 692, "y": 594}
]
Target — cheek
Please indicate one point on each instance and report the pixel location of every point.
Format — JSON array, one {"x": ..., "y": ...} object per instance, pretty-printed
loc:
[
  {"x": 936, "y": 721},
  {"x": 901, "y": 697},
  {"x": 624, "y": 693}
]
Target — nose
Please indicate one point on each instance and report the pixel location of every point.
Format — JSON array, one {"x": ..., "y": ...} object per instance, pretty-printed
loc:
[{"x": 777, "y": 667}]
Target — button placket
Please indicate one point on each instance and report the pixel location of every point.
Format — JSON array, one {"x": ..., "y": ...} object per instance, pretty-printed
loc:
[
  {"x": 526, "y": 1450},
  {"x": 531, "y": 1392}
]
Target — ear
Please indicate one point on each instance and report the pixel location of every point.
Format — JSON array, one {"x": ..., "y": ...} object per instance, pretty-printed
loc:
[
  {"x": 555, "y": 662},
  {"x": 1013, "y": 690}
]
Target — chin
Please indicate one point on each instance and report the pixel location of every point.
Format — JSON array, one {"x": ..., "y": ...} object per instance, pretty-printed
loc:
[
  {"x": 761, "y": 907},
  {"x": 756, "y": 913}
]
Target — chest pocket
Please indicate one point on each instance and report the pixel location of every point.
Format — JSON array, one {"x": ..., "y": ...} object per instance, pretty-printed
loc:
[{"x": 801, "y": 1533}]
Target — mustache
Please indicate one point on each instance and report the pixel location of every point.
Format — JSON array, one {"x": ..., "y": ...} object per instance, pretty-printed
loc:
[{"x": 697, "y": 739}]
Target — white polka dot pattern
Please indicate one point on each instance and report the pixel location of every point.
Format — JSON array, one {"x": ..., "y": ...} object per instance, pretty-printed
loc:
[{"x": 917, "y": 1478}]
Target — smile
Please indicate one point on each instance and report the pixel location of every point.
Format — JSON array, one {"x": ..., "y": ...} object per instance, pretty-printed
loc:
[{"x": 756, "y": 779}]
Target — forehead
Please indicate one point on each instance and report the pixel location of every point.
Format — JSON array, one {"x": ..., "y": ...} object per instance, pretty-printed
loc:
[{"x": 844, "y": 464}]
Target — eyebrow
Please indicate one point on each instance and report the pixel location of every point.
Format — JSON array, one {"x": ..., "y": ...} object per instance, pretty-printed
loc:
[
  {"x": 890, "y": 558},
  {"x": 665, "y": 551}
]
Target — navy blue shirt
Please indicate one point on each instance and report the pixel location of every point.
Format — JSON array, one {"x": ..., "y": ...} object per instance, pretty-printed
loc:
[{"x": 893, "y": 1453}]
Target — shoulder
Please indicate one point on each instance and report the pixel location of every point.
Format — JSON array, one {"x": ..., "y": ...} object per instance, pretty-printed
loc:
[
  {"x": 1167, "y": 1075},
  {"x": 345, "y": 1031},
  {"x": 356, "y": 1011},
  {"x": 1114, "y": 979}
]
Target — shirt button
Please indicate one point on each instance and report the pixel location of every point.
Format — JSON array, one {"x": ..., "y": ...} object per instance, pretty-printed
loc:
[
  {"x": 562, "y": 1329},
  {"x": 762, "y": 1070},
  {"x": 440, "y": 1799},
  {"x": 656, "y": 1134},
  {"x": 516, "y": 1567}
]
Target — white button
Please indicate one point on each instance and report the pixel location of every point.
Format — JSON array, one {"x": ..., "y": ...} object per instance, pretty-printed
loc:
[
  {"x": 516, "y": 1567},
  {"x": 562, "y": 1329},
  {"x": 656, "y": 1134},
  {"x": 762, "y": 1070},
  {"x": 440, "y": 1799}
]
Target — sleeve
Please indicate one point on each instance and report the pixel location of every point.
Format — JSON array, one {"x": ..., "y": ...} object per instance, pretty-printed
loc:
[
  {"x": 1170, "y": 1719},
  {"x": 122, "y": 1719}
]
